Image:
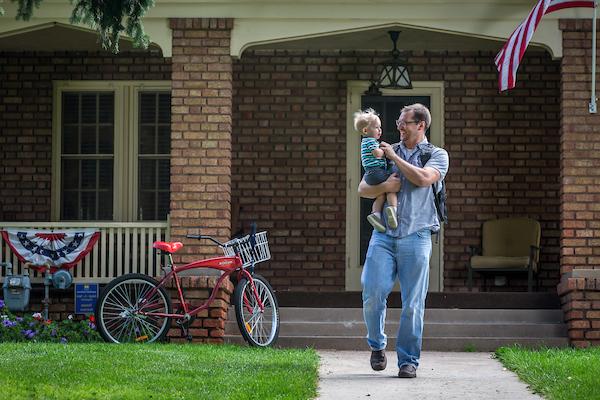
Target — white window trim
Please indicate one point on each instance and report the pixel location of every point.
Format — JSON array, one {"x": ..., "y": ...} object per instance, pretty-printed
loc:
[{"x": 125, "y": 143}]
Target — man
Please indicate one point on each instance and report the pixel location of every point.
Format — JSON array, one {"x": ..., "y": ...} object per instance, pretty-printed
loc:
[{"x": 404, "y": 252}]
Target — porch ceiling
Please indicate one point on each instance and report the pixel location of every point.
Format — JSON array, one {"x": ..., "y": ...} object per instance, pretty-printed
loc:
[
  {"x": 378, "y": 39},
  {"x": 55, "y": 36}
]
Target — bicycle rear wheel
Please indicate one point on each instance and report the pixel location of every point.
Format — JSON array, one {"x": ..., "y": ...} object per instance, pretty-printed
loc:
[
  {"x": 258, "y": 328},
  {"x": 118, "y": 311}
]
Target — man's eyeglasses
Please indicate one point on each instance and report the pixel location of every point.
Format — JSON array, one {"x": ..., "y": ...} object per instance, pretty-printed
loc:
[{"x": 400, "y": 124}]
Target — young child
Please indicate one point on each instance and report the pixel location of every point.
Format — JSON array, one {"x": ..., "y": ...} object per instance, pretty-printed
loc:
[{"x": 367, "y": 122}]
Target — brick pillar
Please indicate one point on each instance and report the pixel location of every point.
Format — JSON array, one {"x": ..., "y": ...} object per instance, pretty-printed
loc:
[
  {"x": 201, "y": 137},
  {"x": 580, "y": 298},
  {"x": 580, "y": 189},
  {"x": 209, "y": 325},
  {"x": 201, "y": 133}
]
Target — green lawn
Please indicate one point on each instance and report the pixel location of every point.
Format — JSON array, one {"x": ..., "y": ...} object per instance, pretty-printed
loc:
[
  {"x": 556, "y": 373},
  {"x": 160, "y": 371}
]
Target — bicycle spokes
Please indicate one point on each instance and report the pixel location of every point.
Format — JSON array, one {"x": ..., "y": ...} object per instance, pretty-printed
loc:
[
  {"x": 259, "y": 313},
  {"x": 128, "y": 312}
]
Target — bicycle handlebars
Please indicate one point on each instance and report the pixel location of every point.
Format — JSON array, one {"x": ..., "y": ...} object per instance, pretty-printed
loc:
[
  {"x": 199, "y": 237},
  {"x": 252, "y": 237}
]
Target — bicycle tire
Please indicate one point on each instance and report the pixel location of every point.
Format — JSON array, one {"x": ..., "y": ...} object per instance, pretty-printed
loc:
[
  {"x": 260, "y": 329},
  {"x": 116, "y": 316}
]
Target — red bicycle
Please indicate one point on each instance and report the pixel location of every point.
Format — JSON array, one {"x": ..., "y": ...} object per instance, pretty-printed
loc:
[{"x": 137, "y": 308}]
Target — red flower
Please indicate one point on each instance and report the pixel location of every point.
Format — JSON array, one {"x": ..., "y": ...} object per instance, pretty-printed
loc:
[{"x": 92, "y": 319}]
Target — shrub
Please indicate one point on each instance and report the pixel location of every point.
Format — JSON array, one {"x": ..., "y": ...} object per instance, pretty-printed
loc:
[{"x": 33, "y": 328}]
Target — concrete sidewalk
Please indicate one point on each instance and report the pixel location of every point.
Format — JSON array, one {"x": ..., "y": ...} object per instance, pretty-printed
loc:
[{"x": 441, "y": 375}]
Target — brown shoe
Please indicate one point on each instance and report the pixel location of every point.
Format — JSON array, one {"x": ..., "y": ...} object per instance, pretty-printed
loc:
[
  {"x": 407, "y": 371},
  {"x": 378, "y": 360}
]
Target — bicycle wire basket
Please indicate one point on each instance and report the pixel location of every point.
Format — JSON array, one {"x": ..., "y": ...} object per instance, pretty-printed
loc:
[{"x": 243, "y": 248}]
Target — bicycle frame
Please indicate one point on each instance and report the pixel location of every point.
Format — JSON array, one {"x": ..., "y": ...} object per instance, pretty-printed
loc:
[{"x": 228, "y": 265}]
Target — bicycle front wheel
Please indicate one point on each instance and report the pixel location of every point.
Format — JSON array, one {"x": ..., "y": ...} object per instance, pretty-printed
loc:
[
  {"x": 258, "y": 327},
  {"x": 121, "y": 311}
]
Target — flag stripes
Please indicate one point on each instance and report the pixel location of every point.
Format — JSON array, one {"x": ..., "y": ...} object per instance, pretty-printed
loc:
[{"x": 508, "y": 59}]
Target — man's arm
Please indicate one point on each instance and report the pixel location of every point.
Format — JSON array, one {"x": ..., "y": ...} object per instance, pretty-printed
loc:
[
  {"x": 391, "y": 185},
  {"x": 417, "y": 176}
]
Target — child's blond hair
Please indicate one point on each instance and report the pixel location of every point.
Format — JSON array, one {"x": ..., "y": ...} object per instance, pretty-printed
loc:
[{"x": 363, "y": 119}]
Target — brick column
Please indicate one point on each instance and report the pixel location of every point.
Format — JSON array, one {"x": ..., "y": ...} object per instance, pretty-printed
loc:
[
  {"x": 580, "y": 298},
  {"x": 200, "y": 133},
  {"x": 201, "y": 150},
  {"x": 209, "y": 325},
  {"x": 580, "y": 189}
]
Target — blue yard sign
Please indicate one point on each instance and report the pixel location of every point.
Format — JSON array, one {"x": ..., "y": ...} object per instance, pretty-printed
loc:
[{"x": 86, "y": 295}]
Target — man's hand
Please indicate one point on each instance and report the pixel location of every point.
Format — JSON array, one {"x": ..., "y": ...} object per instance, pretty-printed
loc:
[
  {"x": 391, "y": 185},
  {"x": 388, "y": 150},
  {"x": 425, "y": 176}
]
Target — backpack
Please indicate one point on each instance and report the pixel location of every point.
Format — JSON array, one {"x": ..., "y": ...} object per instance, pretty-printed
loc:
[{"x": 439, "y": 195}]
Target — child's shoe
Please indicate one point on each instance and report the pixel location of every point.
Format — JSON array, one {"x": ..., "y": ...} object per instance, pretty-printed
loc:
[
  {"x": 376, "y": 221},
  {"x": 390, "y": 215}
]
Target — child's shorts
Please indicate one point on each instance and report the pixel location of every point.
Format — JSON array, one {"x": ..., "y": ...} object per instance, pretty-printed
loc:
[{"x": 376, "y": 176}]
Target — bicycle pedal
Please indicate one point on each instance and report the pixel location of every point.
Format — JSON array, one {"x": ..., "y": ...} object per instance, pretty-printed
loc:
[{"x": 189, "y": 337}]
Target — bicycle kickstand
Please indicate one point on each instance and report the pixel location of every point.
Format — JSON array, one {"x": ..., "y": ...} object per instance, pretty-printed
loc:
[
  {"x": 185, "y": 329},
  {"x": 185, "y": 333}
]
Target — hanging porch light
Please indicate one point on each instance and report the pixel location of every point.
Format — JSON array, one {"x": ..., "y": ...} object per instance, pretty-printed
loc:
[{"x": 394, "y": 74}]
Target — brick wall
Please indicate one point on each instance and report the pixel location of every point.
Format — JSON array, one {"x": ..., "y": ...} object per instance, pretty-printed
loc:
[
  {"x": 289, "y": 156},
  {"x": 580, "y": 141},
  {"x": 201, "y": 133},
  {"x": 26, "y": 118},
  {"x": 289, "y": 144},
  {"x": 580, "y": 299}
]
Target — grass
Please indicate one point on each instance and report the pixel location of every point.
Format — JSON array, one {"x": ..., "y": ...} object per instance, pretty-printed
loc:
[
  {"x": 556, "y": 373},
  {"x": 160, "y": 371},
  {"x": 470, "y": 348}
]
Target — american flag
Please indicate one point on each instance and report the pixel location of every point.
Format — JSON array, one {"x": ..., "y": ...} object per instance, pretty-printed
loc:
[{"x": 510, "y": 55}]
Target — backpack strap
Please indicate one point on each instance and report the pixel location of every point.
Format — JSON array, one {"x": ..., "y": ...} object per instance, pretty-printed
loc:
[{"x": 426, "y": 151}]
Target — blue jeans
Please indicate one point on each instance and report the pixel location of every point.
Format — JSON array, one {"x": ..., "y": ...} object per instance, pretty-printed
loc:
[{"x": 407, "y": 259}]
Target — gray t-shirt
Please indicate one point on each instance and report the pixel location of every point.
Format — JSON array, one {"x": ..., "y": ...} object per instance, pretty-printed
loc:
[{"x": 416, "y": 206}]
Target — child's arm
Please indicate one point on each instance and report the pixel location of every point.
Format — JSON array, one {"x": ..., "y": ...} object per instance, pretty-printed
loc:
[{"x": 378, "y": 153}]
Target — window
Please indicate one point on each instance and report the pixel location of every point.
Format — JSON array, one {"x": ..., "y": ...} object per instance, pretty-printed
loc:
[
  {"x": 87, "y": 155},
  {"x": 153, "y": 154},
  {"x": 111, "y": 151}
]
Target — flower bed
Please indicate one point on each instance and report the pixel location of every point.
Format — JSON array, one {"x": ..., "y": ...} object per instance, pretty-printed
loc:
[{"x": 33, "y": 328}]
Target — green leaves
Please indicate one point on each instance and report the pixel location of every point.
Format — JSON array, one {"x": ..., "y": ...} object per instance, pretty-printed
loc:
[
  {"x": 25, "y": 10},
  {"x": 33, "y": 328},
  {"x": 109, "y": 17}
]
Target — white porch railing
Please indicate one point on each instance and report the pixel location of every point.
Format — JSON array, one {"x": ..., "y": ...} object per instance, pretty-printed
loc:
[{"x": 123, "y": 247}]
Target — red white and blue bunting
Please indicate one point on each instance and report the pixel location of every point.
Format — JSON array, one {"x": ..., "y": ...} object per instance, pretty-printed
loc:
[{"x": 62, "y": 249}]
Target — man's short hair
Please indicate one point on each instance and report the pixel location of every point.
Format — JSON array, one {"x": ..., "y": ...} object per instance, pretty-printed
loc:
[
  {"x": 420, "y": 113},
  {"x": 364, "y": 118}
]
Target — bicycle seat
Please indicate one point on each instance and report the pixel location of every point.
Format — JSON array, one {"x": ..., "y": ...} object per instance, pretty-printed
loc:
[{"x": 169, "y": 247}]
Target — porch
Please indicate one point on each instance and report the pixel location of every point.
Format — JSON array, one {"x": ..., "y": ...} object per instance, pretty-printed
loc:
[{"x": 265, "y": 137}]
